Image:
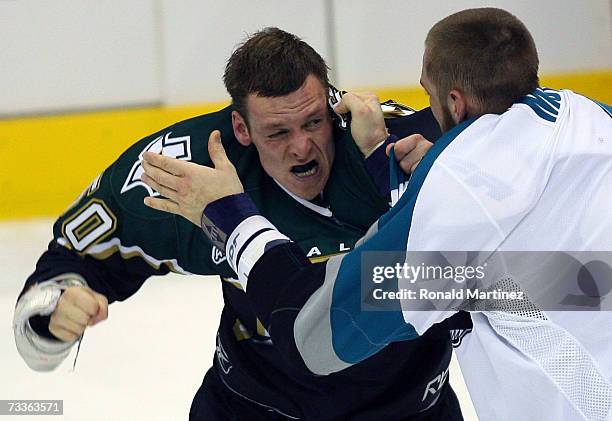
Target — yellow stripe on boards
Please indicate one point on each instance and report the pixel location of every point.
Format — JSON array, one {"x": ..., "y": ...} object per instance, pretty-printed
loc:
[
  {"x": 46, "y": 162},
  {"x": 595, "y": 85}
]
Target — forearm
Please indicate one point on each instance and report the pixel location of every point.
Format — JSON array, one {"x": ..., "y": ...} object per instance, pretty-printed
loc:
[
  {"x": 57, "y": 269},
  {"x": 312, "y": 311},
  {"x": 248, "y": 238},
  {"x": 377, "y": 163},
  {"x": 377, "y": 166}
]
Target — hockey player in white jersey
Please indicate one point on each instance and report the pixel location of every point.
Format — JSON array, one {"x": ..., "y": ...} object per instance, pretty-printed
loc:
[{"x": 519, "y": 169}]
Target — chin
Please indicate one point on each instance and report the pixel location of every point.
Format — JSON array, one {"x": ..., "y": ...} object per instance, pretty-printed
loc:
[
  {"x": 308, "y": 192},
  {"x": 309, "y": 195}
]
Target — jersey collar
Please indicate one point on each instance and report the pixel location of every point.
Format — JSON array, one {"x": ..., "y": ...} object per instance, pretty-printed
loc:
[{"x": 316, "y": 208}]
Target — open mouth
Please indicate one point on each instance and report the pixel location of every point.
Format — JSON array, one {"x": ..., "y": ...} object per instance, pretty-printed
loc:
[{"x": 305, "y": 170}]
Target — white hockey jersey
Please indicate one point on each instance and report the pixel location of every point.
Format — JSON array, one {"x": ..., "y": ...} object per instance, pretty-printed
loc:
[{"x": 536, "y": 178}]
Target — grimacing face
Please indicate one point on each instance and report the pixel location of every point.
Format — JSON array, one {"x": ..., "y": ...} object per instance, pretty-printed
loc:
[{"x": 293, "y": 136}]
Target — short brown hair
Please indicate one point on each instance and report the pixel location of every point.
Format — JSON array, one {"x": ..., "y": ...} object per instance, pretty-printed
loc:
[
  {"x": 487, "y": 53},
  {"x": 271, "y": 63}
]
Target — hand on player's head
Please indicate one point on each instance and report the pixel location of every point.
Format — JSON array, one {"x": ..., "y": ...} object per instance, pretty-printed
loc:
[
  {"x": 409, "y": 151},
  {"x": 367, "y": 119},
  {"x": 77, "y": 308},
  {"x": 188, "y": 187}
]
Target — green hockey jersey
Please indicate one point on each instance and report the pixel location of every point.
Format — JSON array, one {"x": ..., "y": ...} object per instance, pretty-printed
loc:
[{"x": 115, "y": 242}]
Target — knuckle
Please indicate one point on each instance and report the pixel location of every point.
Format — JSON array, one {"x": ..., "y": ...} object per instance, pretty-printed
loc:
[
  {"x": 72, "y": 293},
  {"x": 53, "y": 323},
  {"x": 92, "y": 306},
  {"x": 69, "y": 336},
  {"x": 411, "y": 143},
  {"x": 413, "y": 138},
  {"x": 402, "y": 147},
  {"x": 79, "y": 327},
  {"x": 361, "y": 112},
  {"x": 59, "y": 334},
  {"x": 103, "y": 300},
  {"x": 62, "y": 303}
]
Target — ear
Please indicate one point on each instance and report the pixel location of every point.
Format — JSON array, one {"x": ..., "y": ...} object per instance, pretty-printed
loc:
[
  {"x": 241, "y": 130},
  {"x": 458, "y": 105}
]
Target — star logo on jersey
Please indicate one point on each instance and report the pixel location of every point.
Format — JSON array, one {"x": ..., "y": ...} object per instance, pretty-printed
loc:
[{"x": 174, "y": 147}]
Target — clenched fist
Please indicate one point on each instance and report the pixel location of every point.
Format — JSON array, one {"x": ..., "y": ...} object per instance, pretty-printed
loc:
[
  {"x": 409, "y": 151},
  {"x": 77, "y": 308},
  {"x": 367, "y": 119}
]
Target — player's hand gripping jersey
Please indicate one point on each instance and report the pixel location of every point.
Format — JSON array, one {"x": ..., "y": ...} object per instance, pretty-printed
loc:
[
  {"x": 537, "y": 178},
  {"x": 109, "y": 240}
]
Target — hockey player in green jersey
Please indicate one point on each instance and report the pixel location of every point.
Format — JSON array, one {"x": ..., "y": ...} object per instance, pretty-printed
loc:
[{"x": 305, "y": 173}]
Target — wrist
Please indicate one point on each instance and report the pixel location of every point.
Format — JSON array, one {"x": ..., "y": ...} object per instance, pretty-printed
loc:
[
  {"x": 366, "y": 152},
  {"x": 234, "y": 225},
  {"x": 221, "y": 217}
]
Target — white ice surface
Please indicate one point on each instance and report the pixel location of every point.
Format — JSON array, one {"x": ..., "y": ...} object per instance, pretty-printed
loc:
[{"x": 144, "y": 363}]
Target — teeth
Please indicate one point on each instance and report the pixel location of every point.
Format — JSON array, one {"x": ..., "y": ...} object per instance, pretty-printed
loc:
[
  {"x": 306, "y": 173},
  {"x": 305, "y": 170}
]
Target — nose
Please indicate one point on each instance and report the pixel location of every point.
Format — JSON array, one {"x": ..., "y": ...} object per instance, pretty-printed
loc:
[{"x": 300, "y": 146}]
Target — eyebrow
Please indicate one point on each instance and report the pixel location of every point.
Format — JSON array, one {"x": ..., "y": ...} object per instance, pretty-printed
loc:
[
  {"x": 273, "y": 126},
  {"x": 316, "y": 113}
]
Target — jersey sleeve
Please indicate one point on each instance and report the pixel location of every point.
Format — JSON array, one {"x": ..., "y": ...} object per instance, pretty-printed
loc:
[
  {"x": 109, "y": 237},
  {"x": 377, "y": 164},
  {"x": 315, "y": 312},
  {"x": 355, "y": 183}
]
